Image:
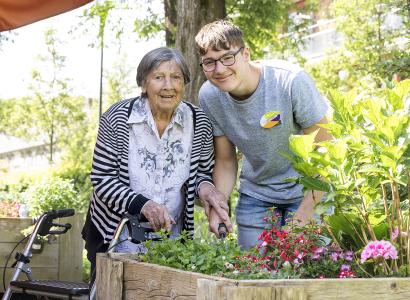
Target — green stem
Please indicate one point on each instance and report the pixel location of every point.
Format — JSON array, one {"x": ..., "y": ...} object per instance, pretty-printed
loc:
[
  {"x": 386, "y": 210},
  {"x": 331, "y": 233},
  {"x": 396, "y": 201},
  {"x": 408, "y": 218},
  {"x": 364, "y": 214},
  {"x": 354, "y": 228}
]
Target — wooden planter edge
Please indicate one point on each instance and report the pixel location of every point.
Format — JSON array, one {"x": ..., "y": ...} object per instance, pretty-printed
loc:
[{"x": 120, "y": 276}]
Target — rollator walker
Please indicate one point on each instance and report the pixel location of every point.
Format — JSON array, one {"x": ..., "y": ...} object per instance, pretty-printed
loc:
[{"x": 138, "y": 232}]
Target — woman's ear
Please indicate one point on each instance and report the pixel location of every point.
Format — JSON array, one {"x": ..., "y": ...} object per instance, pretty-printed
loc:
[{"x": 143, "y": 88}]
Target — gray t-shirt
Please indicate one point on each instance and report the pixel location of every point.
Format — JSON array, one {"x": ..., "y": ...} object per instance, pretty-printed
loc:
[{"x": 284, "y": 88}]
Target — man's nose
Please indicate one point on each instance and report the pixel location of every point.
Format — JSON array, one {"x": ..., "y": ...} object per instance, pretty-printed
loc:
[{"x": 218, "y": 66}]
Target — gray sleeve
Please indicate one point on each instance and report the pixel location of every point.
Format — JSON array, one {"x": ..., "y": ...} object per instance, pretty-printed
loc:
[
  {"x": 309, "y": 107},
  {"x": 204, "y": 103}
]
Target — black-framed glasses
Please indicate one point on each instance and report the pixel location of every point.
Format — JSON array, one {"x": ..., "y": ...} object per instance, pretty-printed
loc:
[{"x": 208, "y": 65}]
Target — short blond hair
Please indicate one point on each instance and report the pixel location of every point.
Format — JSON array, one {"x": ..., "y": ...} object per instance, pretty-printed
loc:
[{"x": 219, "y": 35}]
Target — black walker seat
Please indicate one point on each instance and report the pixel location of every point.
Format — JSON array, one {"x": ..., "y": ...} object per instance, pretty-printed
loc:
[{"x": 56, "y": 288}]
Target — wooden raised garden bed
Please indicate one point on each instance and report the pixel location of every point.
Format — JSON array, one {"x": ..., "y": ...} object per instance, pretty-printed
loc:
[
  {"x": 119, "y": 276},
  {"x": 60, "y": 259}
]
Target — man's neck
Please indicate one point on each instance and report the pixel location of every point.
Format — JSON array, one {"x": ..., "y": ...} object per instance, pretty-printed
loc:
[{"x": 250, "y": 86}]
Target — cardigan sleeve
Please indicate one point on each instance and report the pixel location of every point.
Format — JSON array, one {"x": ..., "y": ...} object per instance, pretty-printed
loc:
[
  {"x": 206, "y": 160},
  {"x": 105, "y": 174}
]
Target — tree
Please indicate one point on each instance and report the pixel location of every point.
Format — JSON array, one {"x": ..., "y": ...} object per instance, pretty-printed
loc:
[
  {"x": 374, "y": 49},
  {"x": 260, "y": 21},
  {"x": 170, "y": 22},
  {"x": 101, "y": 12},
  {"x": 117, "y": 86},
  {"x": 191, "y": 16},
  {"x": 50, "y": 111}
]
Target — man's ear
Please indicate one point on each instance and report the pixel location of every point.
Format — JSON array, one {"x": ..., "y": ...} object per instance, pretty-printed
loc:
[{"x": 247, "y": 53}]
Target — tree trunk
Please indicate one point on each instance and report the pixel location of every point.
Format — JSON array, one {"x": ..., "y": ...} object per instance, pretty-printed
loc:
[
  {"x": 170, "y": 22},
  {"x": 191, "y": 16}
]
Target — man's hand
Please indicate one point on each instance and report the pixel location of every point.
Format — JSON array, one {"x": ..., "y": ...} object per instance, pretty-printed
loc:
[
  {"x": 304, "y": 214},
  {"x": 214, "y": 221},
  {"x": 306, "y": 209},
  {"x": 211, "y": 197},
  {"x": 157, "y": 215}
]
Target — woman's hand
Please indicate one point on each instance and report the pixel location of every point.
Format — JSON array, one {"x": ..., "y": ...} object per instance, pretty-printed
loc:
[{"x": 157, "y": 215}]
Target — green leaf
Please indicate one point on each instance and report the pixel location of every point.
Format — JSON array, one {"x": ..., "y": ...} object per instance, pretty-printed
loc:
[
  {"x": 388, "y": 161},
  {"x": 370, "y": 168},
  {"x": 402, "y": 90},
  {"x": 338, "y": 150},
  {"x": 315, "y": 184},
  {"x": 302, "y": 145},
  {"x": 323, "y": 208},
  {"x": 395, "y": 100},
  {"x": 305, "y": 168}
]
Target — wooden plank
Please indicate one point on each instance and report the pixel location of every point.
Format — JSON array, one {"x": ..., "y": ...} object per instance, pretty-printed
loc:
[
  {"x": 290, "y": 293},
  {"x": 251, "y": 293},
  {"x": 211, "y": 289},
  {"x": 47, "y": 258},
  {"x": 38, "y": 273},
  {"x": 109, "y": 278},
  {"x": 214, "y": 290},
  {"x": 168, "y": 283},
  {"x": 70, "y": 251},
  {"x": 11, "y": 227},
  {"x": 351, "y": 288}
]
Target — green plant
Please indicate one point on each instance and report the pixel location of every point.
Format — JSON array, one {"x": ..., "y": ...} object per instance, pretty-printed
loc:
[
  {"x": 192, "y": 254},
  {"x": 86, "y": 267},
  {"x": 79, "y": 176},
  {"x": 290, "y": 252},
  {"x": 9, "y": 209},
  {"x": 362, "y": 169},
  {"x": 374, "y": 48},
  {"x": 294, "y": 251},
  {"x": 52, "y": 193}
]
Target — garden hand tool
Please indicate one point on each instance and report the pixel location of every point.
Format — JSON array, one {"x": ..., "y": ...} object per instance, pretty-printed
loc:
[{"x": 222, "y": 231}]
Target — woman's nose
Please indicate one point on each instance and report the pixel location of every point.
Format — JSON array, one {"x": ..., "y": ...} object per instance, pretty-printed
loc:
[{"x": 167, "y": 82}]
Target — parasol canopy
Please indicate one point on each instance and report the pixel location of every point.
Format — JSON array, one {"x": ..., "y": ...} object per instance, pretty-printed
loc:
[{"x": 17, "y": 13}]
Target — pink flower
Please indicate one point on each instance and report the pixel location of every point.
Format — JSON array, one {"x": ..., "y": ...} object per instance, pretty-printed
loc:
[
  {"x": 315, "y": 256},
  {"x": 375, "y": 249},
  {"x": 395, "y": 233},
  {"x": 334, "y": 256},
  {"x": 349, "y": 255},
  {"x": 317, "y": 253},
  {"x": 344, "y": 268}
]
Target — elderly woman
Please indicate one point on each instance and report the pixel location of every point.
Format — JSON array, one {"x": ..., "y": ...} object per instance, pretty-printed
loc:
[{"x": 153, "y": 155}]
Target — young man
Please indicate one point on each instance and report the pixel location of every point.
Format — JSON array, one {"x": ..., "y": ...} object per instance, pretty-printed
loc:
[{"x": 256, "y": 106}]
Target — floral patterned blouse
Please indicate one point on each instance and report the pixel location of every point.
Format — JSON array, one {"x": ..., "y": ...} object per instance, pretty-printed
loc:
[{"x": 159, "y": 166}]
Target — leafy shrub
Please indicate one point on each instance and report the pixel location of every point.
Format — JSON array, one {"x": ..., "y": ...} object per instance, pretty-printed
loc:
[
  {"x": 80, "y": 178},
  {"x": 9, "y": 209},
  {"x": 52, "y": 193},
  {"x": 362, "y": 170},
  {"x": 11, "y": 198}
]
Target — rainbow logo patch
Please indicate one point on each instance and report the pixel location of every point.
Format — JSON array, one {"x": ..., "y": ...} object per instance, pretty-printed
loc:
[{"x": 270, "y": 119}]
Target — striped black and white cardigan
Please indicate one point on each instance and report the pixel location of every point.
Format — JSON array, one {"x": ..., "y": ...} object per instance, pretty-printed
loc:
[{"x": 112, "y": 195}]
